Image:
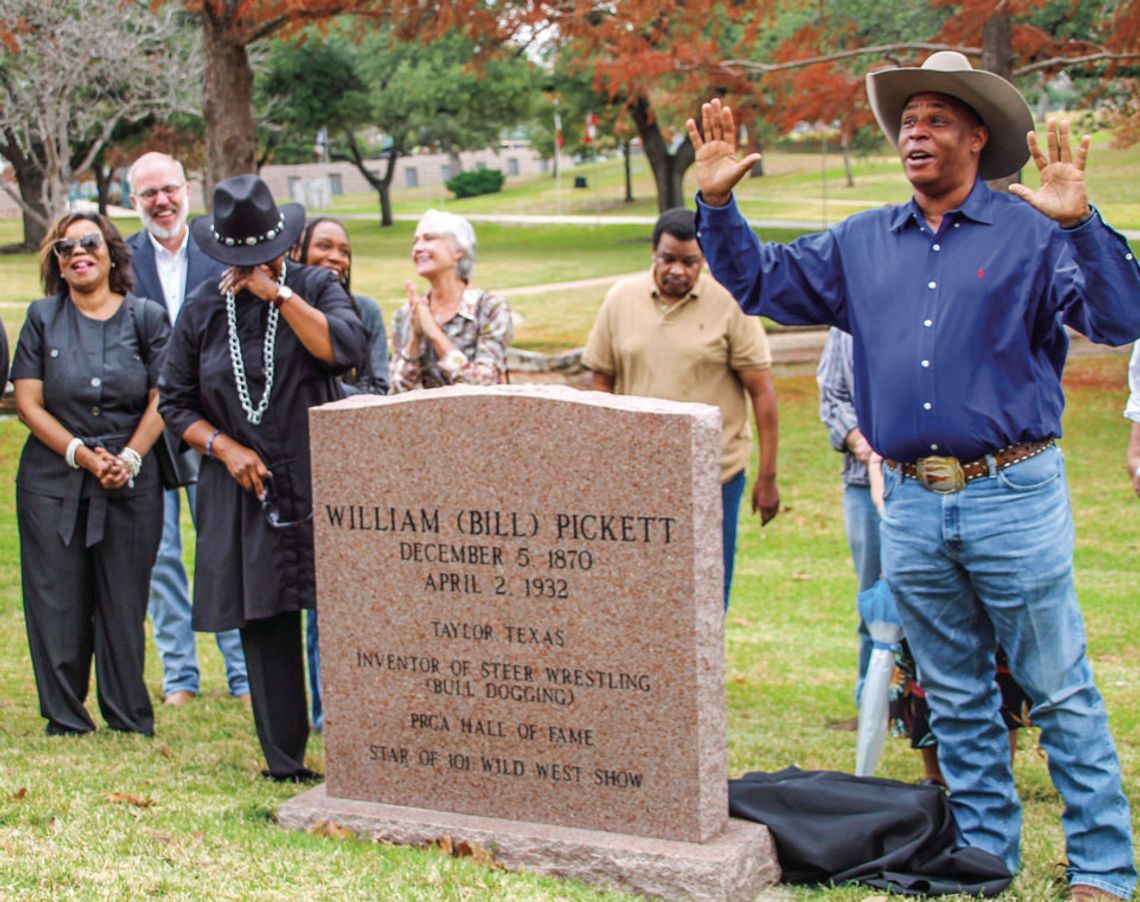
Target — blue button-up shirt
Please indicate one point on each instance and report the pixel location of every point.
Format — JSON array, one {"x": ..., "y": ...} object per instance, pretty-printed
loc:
[{"x": 958, "y": 334}]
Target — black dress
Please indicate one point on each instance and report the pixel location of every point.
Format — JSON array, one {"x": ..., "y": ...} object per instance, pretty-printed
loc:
[
  {"x": 247, "y": 569},
  {"x": 85, "y": 552},
  {"x": 253, "y": 573}
]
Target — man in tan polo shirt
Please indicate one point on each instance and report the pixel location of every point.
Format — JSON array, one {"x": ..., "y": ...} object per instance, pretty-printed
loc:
[{"x": 676, "y": 333}]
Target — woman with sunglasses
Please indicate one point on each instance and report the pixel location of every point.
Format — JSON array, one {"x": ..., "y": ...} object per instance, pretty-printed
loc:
[
  {"x": 88, "y": 496},
  {"x": 249, "y": 356}
]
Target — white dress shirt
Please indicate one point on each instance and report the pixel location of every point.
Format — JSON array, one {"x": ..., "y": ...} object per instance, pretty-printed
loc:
[{"x": 171, "y": 273}]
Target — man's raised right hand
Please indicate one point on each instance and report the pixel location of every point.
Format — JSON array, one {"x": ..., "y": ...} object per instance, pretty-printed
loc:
[{"x": 718, "y": 169}]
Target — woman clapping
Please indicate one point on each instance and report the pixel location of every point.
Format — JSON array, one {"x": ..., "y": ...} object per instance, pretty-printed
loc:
[{"x": 456, "y": 333}]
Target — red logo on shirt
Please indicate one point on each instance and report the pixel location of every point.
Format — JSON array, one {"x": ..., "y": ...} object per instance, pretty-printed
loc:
[{"x": 981, "y": 272}]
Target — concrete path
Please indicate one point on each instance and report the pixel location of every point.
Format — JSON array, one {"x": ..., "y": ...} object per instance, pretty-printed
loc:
[
  {"x": 596, "y": 282},
  {"x": 568, "y": 219}
]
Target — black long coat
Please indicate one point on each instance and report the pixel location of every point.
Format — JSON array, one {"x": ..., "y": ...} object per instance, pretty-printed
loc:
[{"x": 246, "y": 569}]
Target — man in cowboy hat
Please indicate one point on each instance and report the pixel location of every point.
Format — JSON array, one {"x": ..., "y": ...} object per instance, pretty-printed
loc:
[
  {"x": 957, "y": 302},
  {"x": 249, "y": 356}
]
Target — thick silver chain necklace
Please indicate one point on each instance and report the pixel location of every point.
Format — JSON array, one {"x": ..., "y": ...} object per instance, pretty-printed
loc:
[{"x": 253, "y": 414}]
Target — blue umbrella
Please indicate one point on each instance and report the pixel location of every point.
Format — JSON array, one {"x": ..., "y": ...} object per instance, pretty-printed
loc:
[{"x": 878, "y": 611}]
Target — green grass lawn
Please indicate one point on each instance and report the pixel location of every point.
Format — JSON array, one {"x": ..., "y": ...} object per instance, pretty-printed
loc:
[
  {"x": 185, "y": 815},
  {"x": 799, "y": 186}
]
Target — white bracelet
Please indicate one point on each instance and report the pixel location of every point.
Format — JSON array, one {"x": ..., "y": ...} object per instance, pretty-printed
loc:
[
  {"x": 74, "y": 445},
  {"x": 131, "y": 458},
  {"x": 453, "y": 361}
]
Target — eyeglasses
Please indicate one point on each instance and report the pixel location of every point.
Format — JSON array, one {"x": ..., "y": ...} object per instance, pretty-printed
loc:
[
  {"x": 89, "y": 243},
  {"x": 273, "y": 513},
  {"x": 669, "y": 260},
  {"x": 168, "y": 190}
]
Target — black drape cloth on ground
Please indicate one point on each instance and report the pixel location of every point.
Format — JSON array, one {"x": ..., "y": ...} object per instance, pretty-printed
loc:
[{"x": 837, "y": 828}]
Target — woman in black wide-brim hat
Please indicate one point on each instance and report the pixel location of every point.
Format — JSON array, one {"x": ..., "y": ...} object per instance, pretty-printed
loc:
[{"x": 249, "y": 356}]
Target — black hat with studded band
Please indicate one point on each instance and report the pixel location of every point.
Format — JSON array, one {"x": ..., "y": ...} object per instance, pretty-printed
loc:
[{"x": 247, "y": 228}]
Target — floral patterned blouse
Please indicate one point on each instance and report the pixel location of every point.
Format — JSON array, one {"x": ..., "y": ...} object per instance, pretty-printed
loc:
[{"x": 481, "y": 331}]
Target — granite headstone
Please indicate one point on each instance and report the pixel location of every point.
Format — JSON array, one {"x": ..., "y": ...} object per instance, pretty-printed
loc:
[{"x": 521, "y": 621}]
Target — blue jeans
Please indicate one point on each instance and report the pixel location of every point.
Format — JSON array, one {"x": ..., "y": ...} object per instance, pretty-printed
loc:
[
  {"x": 313, "y": 660},
  {"x": 861, "y": 518},
  {"x": 993, "y": 564},
  {"x": 170, "y": 610},
  {"x": 730, "y": 494}
]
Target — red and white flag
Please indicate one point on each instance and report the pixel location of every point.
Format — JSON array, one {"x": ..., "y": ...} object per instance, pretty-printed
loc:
[{"x": 591, "y": 128}]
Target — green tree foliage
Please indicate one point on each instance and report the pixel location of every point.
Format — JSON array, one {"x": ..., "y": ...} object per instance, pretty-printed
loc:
[
  {"x": 409, "y": 93},
  {"x": 305, "y": 87}
]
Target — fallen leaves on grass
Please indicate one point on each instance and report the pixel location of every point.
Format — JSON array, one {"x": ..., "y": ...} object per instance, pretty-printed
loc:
[
  {"x": 463, "y": 849},
  {"x": 19, "y": 794},
  {"x": 331, "y": 828},
  {"x": 125, "y": 798}
]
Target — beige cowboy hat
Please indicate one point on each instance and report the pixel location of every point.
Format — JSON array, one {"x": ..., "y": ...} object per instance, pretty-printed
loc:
[{"x": 999, "y": 105}]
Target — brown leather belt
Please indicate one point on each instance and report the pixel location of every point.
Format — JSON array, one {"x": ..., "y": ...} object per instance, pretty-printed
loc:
[{"x": 946, "y": 475}]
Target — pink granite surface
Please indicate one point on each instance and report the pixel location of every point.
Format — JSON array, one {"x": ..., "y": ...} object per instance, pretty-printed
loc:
[
  {"x": 734, "y": 866},
  {"x": 521, "y": 607}
]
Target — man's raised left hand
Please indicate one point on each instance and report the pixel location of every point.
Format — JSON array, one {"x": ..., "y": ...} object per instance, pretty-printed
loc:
[{"x": 1062, "y": 194}]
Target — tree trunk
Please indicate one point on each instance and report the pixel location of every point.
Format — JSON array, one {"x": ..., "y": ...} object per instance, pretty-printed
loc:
[
  {"x": 103, "y": 179},
  {"x": 454, "y": 164},
  {"x": 30, "y": 186},
  {"x": 382, "y": 185},
  {"x": 997, "y": 57},
  {"x": 625, "y": 149},
  {"x": 385, "y": 189},
  {"x": 36, "y": 220},
  {"x": 227, "y": 105},
  {"x": 845, "y": 143},
  {"x": 668, "y": 168}
]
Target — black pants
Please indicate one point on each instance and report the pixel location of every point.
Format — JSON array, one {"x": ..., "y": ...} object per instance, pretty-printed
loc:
[
  {"x": 82, "y": 602},
  {"x": 276, "y": 669}
]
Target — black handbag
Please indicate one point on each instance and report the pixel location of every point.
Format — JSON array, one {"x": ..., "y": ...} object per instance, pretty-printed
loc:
[{"x": 176, "y": 468}]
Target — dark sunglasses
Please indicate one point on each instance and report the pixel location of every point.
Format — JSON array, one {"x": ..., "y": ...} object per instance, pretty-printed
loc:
[{"x": 89, "y": 243}]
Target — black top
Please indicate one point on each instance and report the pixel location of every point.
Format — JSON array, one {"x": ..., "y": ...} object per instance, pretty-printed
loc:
[
  {"x": 97, "y": 376},
  {"x": 3, "y": 359},
  {"x": 246, "y": 568},
  {"x": 372, "y": 377}
]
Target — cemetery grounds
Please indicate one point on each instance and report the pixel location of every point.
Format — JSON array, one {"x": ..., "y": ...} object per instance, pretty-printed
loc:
[{"x": 185, "y": 815}]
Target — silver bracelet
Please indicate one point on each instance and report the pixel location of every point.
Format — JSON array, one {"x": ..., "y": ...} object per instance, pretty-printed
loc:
[
  {"x": 132, "y": 459},
  {"x": 73, "y": 446}
]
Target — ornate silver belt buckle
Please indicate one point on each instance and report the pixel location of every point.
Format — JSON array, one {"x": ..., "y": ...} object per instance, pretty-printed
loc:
[{"x": 941, "y": 474}]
